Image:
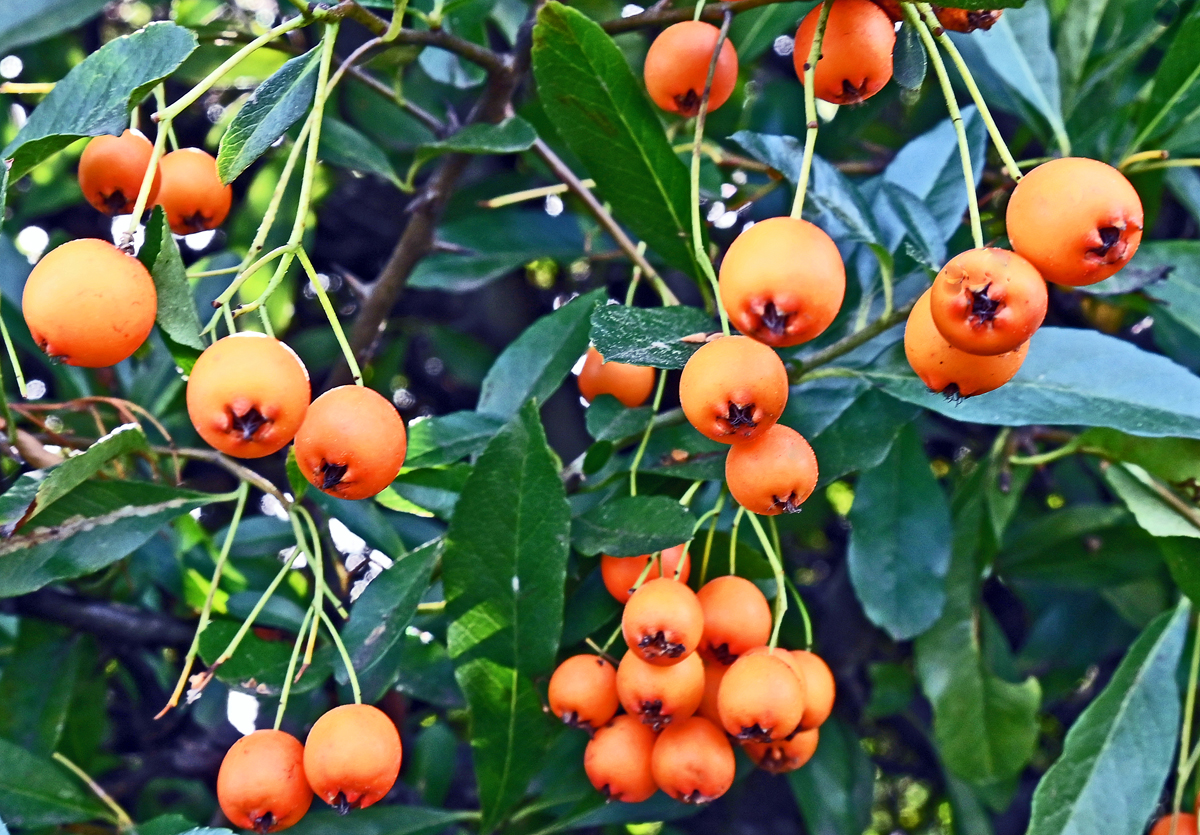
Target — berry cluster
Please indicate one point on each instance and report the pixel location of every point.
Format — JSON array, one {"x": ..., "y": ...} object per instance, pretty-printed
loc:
[
  {"x": 698, "y": 672},
  {"x": 351, "y": 760}
]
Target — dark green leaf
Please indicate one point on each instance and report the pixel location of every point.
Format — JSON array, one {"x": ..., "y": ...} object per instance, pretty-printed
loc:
[
  {"x": 754, "y": 30},
  {"x": 380, "y": 820},
  {"x": 275, "y": 106},
  {"x": 380, "y": 616},
  {"x": 176, "y": 314},
  {"x": 511, "y": 136},
  {"x": 1072, "y": 378},
  {"x": 536, "y": 362},
  {"x": 917, "y": 222},
  {"x": 600, "y": 110},
  {"x": 648, "y": 335},
  {"x": 444, "y": 439},
  {"x": 1073, "y": 46},
  {"x": 835, "y": 789},
  {"x": 176, "y": 825},
  {"x": 92, "y": 527},
  {"x": 30, "y": 21},
  {"x": 1118, "y": 753},
  {"x": 346, "y": 147},
  {"x": 1182, "y": 555},
  {"x": 609, "y": 420},
  {"x": 96, "y": 95},
  {"x": 37, "y": 686},
  {"x": 900, "y": 541},
  {"x": 908, "y": 60},
  {"x": 1175, "y": 95},
  {"x": 1137, "y": 488},
  {"x": 259, "y": 665},
  {"x": 35, "y": 792},
  {"x": 632, "y": 525},
  {"x": 503, "y": 569}
]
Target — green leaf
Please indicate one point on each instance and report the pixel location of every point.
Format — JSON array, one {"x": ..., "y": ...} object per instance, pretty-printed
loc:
[
  {"x": 511, "y": 136},
  {"x": 1177, "y": 298},
  {"x": 609, "y": 420},
  {"x": 648, "y": 335},
  {"x": 345, "y": 147},
  {"x": 600, "y": 110},
  {"x": 1070, "y": 378},
  {"x": 444, "y": 439},
  {"x": 38, "y": 685},
  {"x": 835, "y": 790},
  {"x": 96, "y": 95},
  {"x": 381, "y": 820},
  {"x": 35, "y": 792},
  {"x": 1117, "y": 755},
  {"x": 176, "y": 825},
  {"x": 176, "y": 316},
  {"x": 986, "y": 728},
  {"x": 31, "y": 21},
  {"x": 755, "y": 30},
  {"x": 536, "y": 362},
  {"x": 632, "y": 525},
  {"x": 900, "y": 541},
  {"x": 1182, "y": 556},
  {"x": 909, "y": 61},
  {"x": 1175, "y": 95},
  {"x": 1136, "y": 488},
  {"x": 276, "y": 105},
  {"x": 504, "y": 568},
  {"x": 92, "y": 527},
  {"x": 380, "y": 616},
  {"x": 1073, "y": 46}
]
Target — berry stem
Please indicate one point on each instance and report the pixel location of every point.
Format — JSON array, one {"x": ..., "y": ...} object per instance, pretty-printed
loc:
[
  {"x": 1191, "y": 162},
  {"x": 808, "y": 630},
  {"x": 699, "y": 11},
  {"x": 637, "y": 275},
  {"x": 206, "y": 610},
  {"x": 812, "y": 125},
  {"x": 341, "y": 648},
  {"x": 690, "y": 493},
  {"x": 160, "y": 99},
  {"x": 331, "y": 314},
  {"x": 964, "y": 152},
  {"x": 124, "y": 822},
  {"x": 286, "y": 692},
  {"x": 143, "y": 198},
  {"x": 733, "y": 538},
  {"x": 12, "y": 357},
  {"x": 698, "y": 142},
  {"x": 780, "y": 579},
  {"x": 641, "y": 450},
  {"x": 854, "y": 340},
  {"x": 611, "y": 638},
  {"x": 1187, "y": 760},
  {"x": 1010, "y": 163},
  {"x": 228, "y": 652},
  {"x": 601, "y": 651},
  {"x": 712, "y": 529},
  {"x": 646, "y": 571}
]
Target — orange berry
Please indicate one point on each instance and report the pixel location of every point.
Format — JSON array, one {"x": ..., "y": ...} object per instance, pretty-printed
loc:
[
  {"x": 773, "y": 473},
  {"x": 352, "y": 442},
  {"x": 1078, "y": 221},
  {"x": 261, "y": 783},
  {"x": 714, "y": 674},
  {"x": 856, "y": 52},
  {"x": 247, "y": 395},
  {"x": 737, "y": 617},
  {"x": 786, "y": 754},
  {"x": 947, "y": 370},
  {"x": 111, "y": 170},
  {"x": 631, "y": 384},
  {"x": 89, "y": 304},
  {"x": 659, "y": 696},
  {"x": 1186, "y": 825},
  {"x": 620, "y": 573},
  {"x": 663, "y": 622},
  {"x": 783, "y": 281},
  {"x": 761, "y": 699},
  {"x": 988, "y": 301},
  {"x": 820, "y": 688},
  {"x": 192, "y": 194},
  {"x": 965, "y": 20},
  {"x": 733, "y": 389},
  {"x": 676, "y": 68},
  {"x": 583, "y": 692},
  {"x": 693, "y": 761},
  {"x": 352, "y": 756},
  {"x": 617, "y": 760}
]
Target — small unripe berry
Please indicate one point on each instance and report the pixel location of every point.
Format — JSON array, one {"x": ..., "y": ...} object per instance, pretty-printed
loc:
[
  {"x": 261, "y": 783},
  {"x": 352, "y": 756},
  {"x": 659, "y": 696},
  {"x": 663, "y": 622},
  {"x": 583, "y": 692},
  {"x": 620, "y": 573},
  {"x": 617, "y": 760},
  {"x": 693, "y": 761},
  {"x": 737, "y": 617}
]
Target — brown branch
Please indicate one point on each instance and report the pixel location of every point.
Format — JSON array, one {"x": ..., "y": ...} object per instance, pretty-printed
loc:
[
  {"x": 656, "y": 16},
  {"x": 104, "y": 619},
  {"x": 854, "y": 340}
]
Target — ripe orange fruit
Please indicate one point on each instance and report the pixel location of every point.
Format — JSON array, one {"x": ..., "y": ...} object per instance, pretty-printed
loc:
[
  {"x": 733, "y": 388},
  {"x": 617, "y": 760},
  {"x": 856, "y": 53},
  {"x": 965, "y": 20},
  {"x": 1186, "y": 825},
  {"x": 737, "y": 617},
  {"x": 988, "y": 301},
  {"x": 659, "y": 696},
  {"x": 693, "y": 761},
  {"x": 761, "y": 699},
  {"x": 620, "y": 573},
  {"x": 1078, "y": 221},
  {"x": 947, "y": 370},
  {"x": 583, "y": 692},
  {"x": 819, "y": 688},
  {"x": 676, "y": 68},
  {"x": 631, "y": 384},
  {"x": 192, "y": 194},
  {"x": 663, "y": 622},
  {"x": 111, "y": 170},
  {"x": 352, "y": 756},
  {"x": 714, "y": 674},
  {"x": 352, "y": 442},
  {"x": 783, "y": 281},
  {"x": 247, "y": 395},
  {"x": 89, "y": 304},
  {"x": 261, "y": 783},
  {"x": 773, "y": 473},
  {"x": 786, "y": 754}
]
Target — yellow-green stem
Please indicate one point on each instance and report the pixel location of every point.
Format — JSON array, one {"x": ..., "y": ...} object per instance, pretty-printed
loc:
[
  {"x": 780, "y": 580},
  {"x": 341, "y": 648},
  {"x": 733, "y": 538},
  {"x": 12, "y": 357},
  {"x": 124, "y": 822},
  {"x": 331, "y": 315},
  {"x": 1187, "y": 759},
  {"x": 641, "y": 450},
  {"x": 811, "y": 123},
  {"x": 248, "y": 623},
  {"x": 637, "y": 276},
  {"x": 291, "y": 668},
  {"x": 143, "y": 198},
  {"x": 712, "y": 529}
]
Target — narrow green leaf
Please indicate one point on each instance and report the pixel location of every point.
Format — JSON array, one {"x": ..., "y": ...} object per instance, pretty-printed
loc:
[
  {"x": 600, "y": 110},
  {"x": 1135, "y": 486},
  {"x": 95, "y": 97},
  {"x": 900, "y": 541},
  {"x": 1175, "y": 95},
  {"x": 177, "y": 316},
  {"x": 444, "y": 439},
  {"x": 632, "y": 525},
  {"x": 1073, "y": 47},
  {"x": 609, "y": 420},
  {"x": 503, "y": 569},
  {"x": 649, "y": 335},
  {"x": 77, "y": 469},
  {"x": 835, "y": 790},
  {"x": 1117, "y": 755},
  {"x": 38, "y": 685},
  {"x": 35, "y": 792},
  {"x": 30, "y": 21},
  {"x": 511, "y": 136},
  {"x": 345, "y": 147}
]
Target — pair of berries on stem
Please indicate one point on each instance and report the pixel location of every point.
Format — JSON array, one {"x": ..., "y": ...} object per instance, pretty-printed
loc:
[
  {"x": 697, "y": 671},
  {"x": 350, "y": 760}
]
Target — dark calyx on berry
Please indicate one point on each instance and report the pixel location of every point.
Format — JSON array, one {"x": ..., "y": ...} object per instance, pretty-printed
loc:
[
  {"x": 983, "y": 307},
  {"x": 688, "y": 103},
  {"x": 248, "y": 424},
  {"x": 115, "y": 202},
  {"x": 787, "y": 505},
  {"x": 754, "y": 733},
  {"x": 695, "y": 798},
  {"x": 571, "y": 719},
  {"x": 652, "y": 715},
  {"x": 342, "y": 805},
  {"x": 722, "y": 654},
  {"x": 852, "y": 94},
  {"x": 739, "y": 416},
  {"x": 657, "y": 646},
  {"x": 263, "y": 825},
  {"x": 199, "y": 222},
  {"x": 774, "y": 320},
  {"x": 331, "y": 475},
  {"x": 1110, "y": 236}
]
